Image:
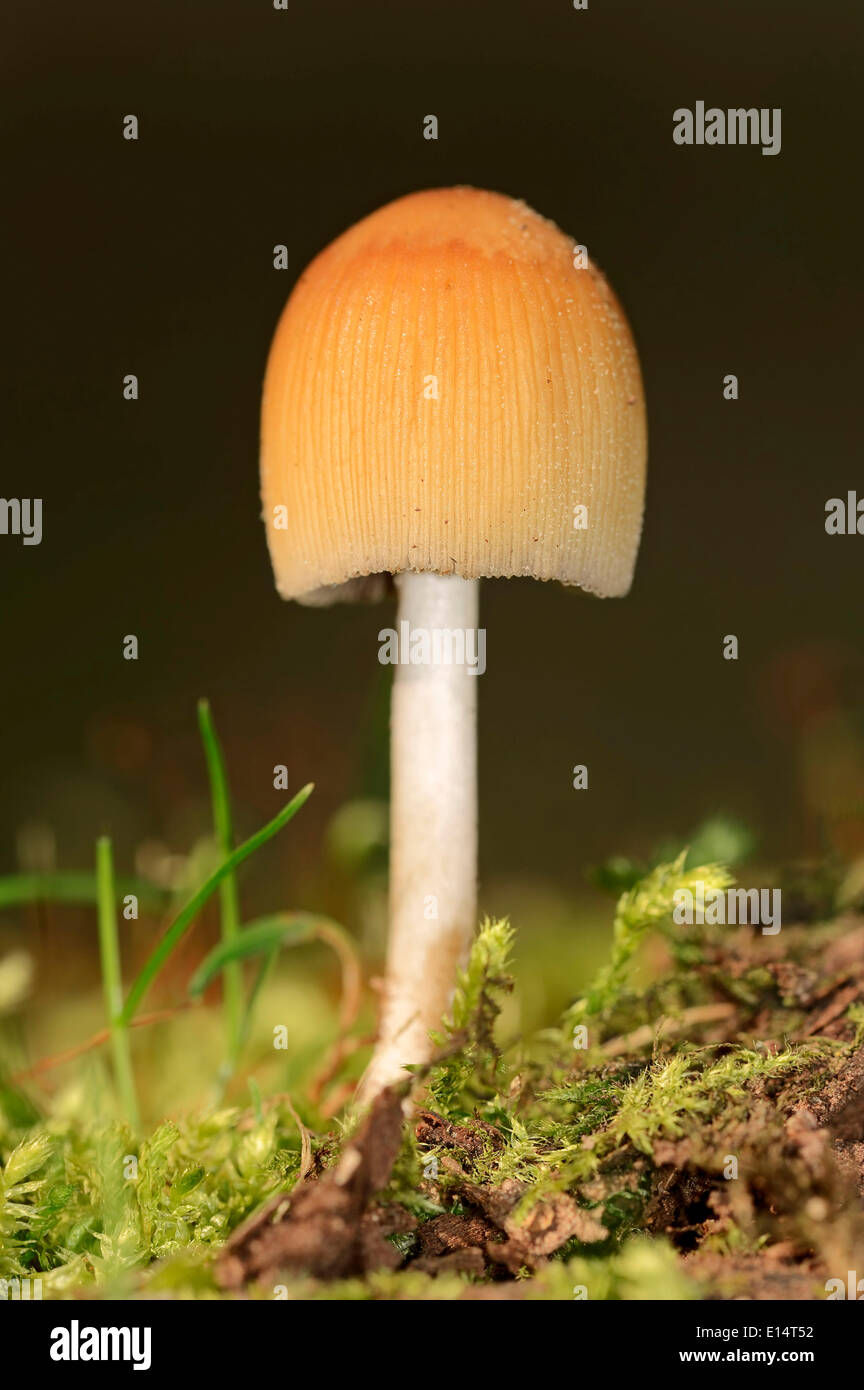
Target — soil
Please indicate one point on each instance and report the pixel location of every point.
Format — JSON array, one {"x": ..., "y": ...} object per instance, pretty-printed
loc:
[{"x": 792, "y": 1219}]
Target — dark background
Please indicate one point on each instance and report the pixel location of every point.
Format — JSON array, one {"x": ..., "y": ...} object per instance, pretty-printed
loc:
[{"x": 259, "y": 127}]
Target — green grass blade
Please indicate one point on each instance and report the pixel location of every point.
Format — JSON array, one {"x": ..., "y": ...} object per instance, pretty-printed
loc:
[
  {"x": 258, "y": 984},
  {"x": 229, "y": 904},
  {"x": 266, "y": 936},
  {"x": 175, "y": 932},
  {"x": 112, "y": 981},
  {"x": 261, "y": 938},
  {"x": 16, "y": 890}
]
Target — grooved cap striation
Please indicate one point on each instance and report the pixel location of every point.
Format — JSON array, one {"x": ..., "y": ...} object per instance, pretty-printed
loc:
[{"x": 443, "y": 390}]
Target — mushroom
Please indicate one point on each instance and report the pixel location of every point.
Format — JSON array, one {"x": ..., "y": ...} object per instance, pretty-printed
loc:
[{"x": 452, "y": 393}]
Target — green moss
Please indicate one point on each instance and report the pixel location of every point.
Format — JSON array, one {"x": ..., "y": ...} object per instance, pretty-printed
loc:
[
  {"x": 90, "y": 1199},
  {"x": 84, "y": 1201},
  {"x": 641, "y": 1269}
]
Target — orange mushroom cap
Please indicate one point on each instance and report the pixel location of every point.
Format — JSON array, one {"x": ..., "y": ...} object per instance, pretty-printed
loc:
[{"x": 444, "y": 389}]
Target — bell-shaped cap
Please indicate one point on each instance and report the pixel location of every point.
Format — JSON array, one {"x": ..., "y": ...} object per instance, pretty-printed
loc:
[{"x": 452, "y": 387}]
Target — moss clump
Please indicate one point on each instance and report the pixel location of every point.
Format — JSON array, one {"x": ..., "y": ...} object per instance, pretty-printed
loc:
[{"x": 684, "y": 1131}]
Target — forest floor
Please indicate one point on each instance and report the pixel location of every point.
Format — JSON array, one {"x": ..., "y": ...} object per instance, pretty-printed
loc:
[{"x": 692, "y": 1129}]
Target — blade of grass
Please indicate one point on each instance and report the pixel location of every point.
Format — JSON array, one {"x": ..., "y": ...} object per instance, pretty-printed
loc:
[
  {"x": 258, "y": 939},
  {"x": 265, "y": 937},
  {"x": 75, "y": 886},
  {"x": 112, "y": 981},
  {"x": 258, "y": 984},
  {"x": 229, "y": 906},
  {"x": 176, "y": 931}
]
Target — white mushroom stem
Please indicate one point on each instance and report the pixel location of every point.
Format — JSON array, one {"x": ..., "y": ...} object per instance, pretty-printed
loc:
[{"x": 433, "y": 820}]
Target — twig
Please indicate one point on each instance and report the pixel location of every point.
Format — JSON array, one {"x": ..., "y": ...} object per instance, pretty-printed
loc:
[
  {"x": 97, "y": 1040},
  {"x": 642, "y": 1037},
  {"x": 340, "y": 1097},
  {"x": 349, "y": 1007},
  {"x": 351, "y": 974},
  {"x": 305, "y": 1144}
]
